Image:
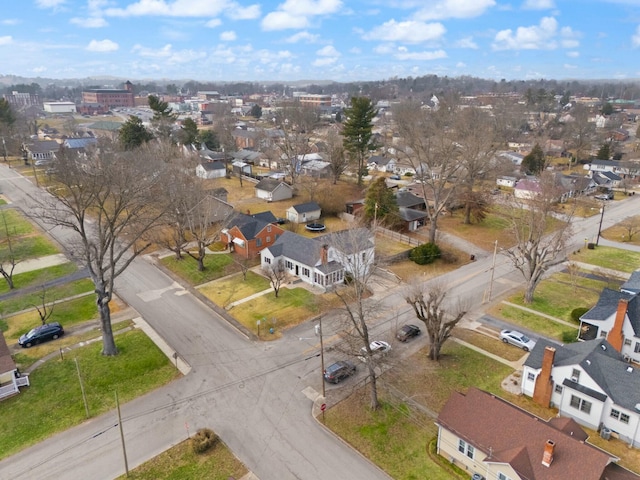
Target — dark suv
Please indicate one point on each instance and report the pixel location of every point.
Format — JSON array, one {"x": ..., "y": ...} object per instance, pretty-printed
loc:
[
  {"x": 339, "y": 371},
  {"x": 407, "y": 331},
  {"x": 48, "y": 331}
]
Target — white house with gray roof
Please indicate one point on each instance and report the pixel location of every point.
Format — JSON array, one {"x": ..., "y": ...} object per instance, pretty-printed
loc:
[
  {"x": 589, "y": 382},
  {"x": 322, "y": 261}
]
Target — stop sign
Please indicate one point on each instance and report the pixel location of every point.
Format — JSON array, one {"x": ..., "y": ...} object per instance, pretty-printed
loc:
[{"x": 323, "y": 407}]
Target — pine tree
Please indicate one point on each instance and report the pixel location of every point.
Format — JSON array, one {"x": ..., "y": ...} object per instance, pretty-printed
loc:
[{"x": 357, "y": 131}]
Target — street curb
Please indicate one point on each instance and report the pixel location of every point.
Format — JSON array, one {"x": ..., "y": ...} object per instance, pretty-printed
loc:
[{"x": 171, "y": 354}]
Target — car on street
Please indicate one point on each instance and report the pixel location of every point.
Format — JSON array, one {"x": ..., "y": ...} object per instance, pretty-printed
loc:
[
  {"x": 604, "y": 196},
  {"x": 378, "y": 348},
  {"x": 395, "y": 177},
  {"x": 338, "y": 371},
  {"x": 518, "y": 339},
  {"x": 407, "y": 331},
  {"x": 43, "y": 333}
]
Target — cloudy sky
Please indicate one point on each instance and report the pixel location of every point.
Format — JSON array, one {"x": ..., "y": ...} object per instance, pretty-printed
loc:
[{"x": 342, "y": 40}]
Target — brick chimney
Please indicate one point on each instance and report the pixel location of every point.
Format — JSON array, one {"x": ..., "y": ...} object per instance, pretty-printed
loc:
[
  {"x": 324, "y": 254},
  {"x": 543, "y": 387},
  {"x": 615, "y": 336},
  {"x": 547, "y": 456}
]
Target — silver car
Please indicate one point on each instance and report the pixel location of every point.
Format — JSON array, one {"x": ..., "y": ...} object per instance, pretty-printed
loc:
[{"x": 518, "y": 339}]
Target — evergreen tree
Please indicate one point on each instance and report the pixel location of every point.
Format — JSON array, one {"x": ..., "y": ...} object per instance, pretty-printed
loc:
[
  {"x": 535, "y": 161},
  {"x": 188, "y": 134},
  {"x": 163, "y": 116},
  {"x": 133, "y": 133},
  {"x": 6, "y": 113},
  {"x": 256, "y": 111},
  {"x": 357, "y": 131},
  {"x": 209, "y": 138},
  {"x": 380, "y": 205},
  {"x": 605, "y": 152}
]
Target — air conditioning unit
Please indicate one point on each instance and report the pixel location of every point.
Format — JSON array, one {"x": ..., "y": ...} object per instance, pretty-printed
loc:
[
  {"x": 626, "y": 358},
  {"x": 574, "y": 379}
]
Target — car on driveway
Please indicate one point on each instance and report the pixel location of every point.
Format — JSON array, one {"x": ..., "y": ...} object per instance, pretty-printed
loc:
[
  {"x": 48, "y": 331},
  {"x": 395, "y": 177},
  {"x": 407, "y": 331},
  {"x": 518, "y": 339},
  {"x": 378, "y": 348},
  {"x": 338, "y": 371}
]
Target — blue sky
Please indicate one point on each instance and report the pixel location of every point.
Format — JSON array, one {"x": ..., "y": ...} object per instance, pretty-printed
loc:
[{"x": 341, "y": 40}]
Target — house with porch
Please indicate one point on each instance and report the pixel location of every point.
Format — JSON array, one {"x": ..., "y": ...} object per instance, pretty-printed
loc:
[
  {"x": 491, "y": 438},
  {"x": 589, "y": 382},
  {"x": 10, "y": 378},
  {"x": 322, "y": 261}
]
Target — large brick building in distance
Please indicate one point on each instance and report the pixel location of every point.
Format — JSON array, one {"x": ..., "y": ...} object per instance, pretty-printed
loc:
[{"x": 110, "y": 98}]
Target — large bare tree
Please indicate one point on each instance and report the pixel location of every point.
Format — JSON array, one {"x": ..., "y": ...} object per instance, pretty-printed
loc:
[
  {"x": 540, "y": 237},
  {"x": 8, "y": 254},
  {"x": 335, "y": 155},
  {"x": 428, "y": 303},
  {"x": 429, "y": 143},
  {"x": 112, "y": 200}
]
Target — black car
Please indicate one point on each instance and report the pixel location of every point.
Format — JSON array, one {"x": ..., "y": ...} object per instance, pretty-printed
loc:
[
  {"x": 406, "y": 332},
  {"x": 339, "y": 371},
  {"x": 48, "y": 331}
]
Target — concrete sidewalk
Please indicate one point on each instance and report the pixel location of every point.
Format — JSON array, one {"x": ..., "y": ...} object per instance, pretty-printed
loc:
[{"x": 41, "y": 262}]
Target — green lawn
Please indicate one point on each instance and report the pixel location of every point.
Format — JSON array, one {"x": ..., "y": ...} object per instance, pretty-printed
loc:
[
  {"x": 34, "y": 277},
  {"x": 216, "y": 266},
  {"x": 609, "y": 257},
  {"x": 29, "y": 247},
  {"x": 27, "y": 418},
  {"x": 180, "y": 463},
  {"x": 536, "y": 323},
  {"x": 230, "y": 289},
  {"x": 23, "y": 302},
  {"x": 16, "y": 224}
]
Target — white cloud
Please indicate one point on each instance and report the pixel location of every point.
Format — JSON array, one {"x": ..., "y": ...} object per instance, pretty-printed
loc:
[
  {"x": 102, "y": 46},
  {"x": 568, "y": 66},
  {"x": 180, "y": 8},
  {"x": 213, "y": 23},
  {"x": 355, "y": 51},
  {"x": 296, "y": 14},
  {"x": 442, "y": 9},
  {"x": 421, "y": 56},
  {"x": 406, "y": 32},
  {"x": 538, "y": 4},
  {"x": 536, "y": 37},
  {"x": 303, "y": 37},
  {"x": 328, "y": 51},
  {"x": 168, "y": 55},
  {"x": 49, "y": 3},
  {"x": 244, "y": 13},
  {"x": 573, "y": 54},
  {"x": 91, "y": 22},
  {"x": 6, "y": 40},
  {"x": 467, "y": 42},
  {"x": 10, "y": 21},
  {"x": 228, "y": 36},
  {"x": 323, "y": 62},
  {"x": 635, "y": 38},
  {"x": 384, "y": 49}
]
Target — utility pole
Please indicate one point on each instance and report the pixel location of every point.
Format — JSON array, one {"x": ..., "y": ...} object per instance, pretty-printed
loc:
[
  {"x": 319, "y": 333},
  {"x": 84, "y": 395},
  {"x": 493, "y": 268},
  {"x": 124, "y": 450},
  {"x": 4, "y": 145},
  {"x": 600, "y": 226}
]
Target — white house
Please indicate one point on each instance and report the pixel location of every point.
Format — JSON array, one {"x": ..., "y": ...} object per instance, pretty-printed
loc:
[
  {"x": 506, "y": 181},
  {"x": 589, "y": 382},
  {"x": 273, "y": 190},
  {"x": 304, "y": 212},
  {"x": 10, "y": 379},
  {"x": 322, "y": 261},
  {"x": 211, "y": 170}
]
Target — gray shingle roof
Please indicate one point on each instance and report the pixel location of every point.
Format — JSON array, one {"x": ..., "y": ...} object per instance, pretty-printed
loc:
[
  {"x": 248, "y": 225},
  {"x": 348, "y": 241},
  {"x": 267, "y": 216},
  {"x": 298, "y": 248},
  {"x": 408, "y": 199},
  {"x": 632, "y": 285},
  {"x": 409, "y": 214},
  {"x": 306, "y": 207},
  {"x": 269, "y": 184},
  {"x": 606, "y": 305}
]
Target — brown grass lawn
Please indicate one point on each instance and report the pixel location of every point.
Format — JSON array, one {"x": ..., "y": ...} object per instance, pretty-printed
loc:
[
  {"x": 489, "y": 344},
  {"x": 482, "y": 234},
  {"x": 407, "y": 269},
  {"x": 619, "y": 233}
]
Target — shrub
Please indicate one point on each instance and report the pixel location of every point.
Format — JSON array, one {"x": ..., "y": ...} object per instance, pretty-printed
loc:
[
  {"x": 570, "y": 336},
  {"x": 203, "y": 440},
  {"x": 448, "y": 257},
  {"x": 425, "y": 253},
  {"x": 576, "y": 313}
]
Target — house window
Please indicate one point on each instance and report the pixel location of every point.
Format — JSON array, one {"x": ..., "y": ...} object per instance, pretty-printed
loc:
[
  {"x": 268, "y": 239},
  {"x": 615, "y": 414},
  {"x": 267, "y": 260},
  {"x": 465, "y": 448},
  {"x": 627, "y": 342},
  {"x": 558, "y": 389},
  {"x": 575, "y": 375},
  {"x": 502, "y": 476},
  {"x": 305, "y": 272},
  {"x": 636, "y": 349},
  {"x": 268, "y": 228},
  {"x": 258, "y": 242},
  {"x": 603, "y": 334},
  {"x": 580, "y": 404},
  {"x": 289, "y": 265},
  {"x": 624, "y": 418},
  {"x": 531, "y": 376}
]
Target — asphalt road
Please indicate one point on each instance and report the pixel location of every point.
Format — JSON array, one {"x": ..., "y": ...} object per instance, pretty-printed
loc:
[{"x": 255, "y": 395}]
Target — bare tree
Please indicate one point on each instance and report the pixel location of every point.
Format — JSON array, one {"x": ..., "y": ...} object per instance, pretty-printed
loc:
[
  {"x": 580, "y": 132},
  {"x": 428, "y": 305},
  {"x": 112, "y": 200},
  {"x": 8, "y": 255},
  {"x": 478, "y": 141},
  {"x": 430, "y": 145},
  {"x": 540, "y": 239},
  {"x": 335, "y": 155},
  {"x": 297, "y": 124},
  {"x": 631, "y": 226},
  {"x": 45, "y": 310},
  {"x": 354, "y": 250},
  {"x": 277, "y": 275}
]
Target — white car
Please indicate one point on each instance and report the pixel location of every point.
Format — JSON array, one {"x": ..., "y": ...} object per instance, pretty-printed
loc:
[
  {"x": 518, "y": 339},
  {"x": 378, "y": 348}
]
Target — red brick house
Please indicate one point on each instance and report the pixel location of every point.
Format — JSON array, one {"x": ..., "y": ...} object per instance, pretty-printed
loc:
[{"x": 247, "y": 235}]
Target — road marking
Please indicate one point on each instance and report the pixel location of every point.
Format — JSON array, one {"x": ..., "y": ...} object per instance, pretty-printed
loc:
[
  {"x": 310, "y": 393},
  {"x": 152, "y": 295}
]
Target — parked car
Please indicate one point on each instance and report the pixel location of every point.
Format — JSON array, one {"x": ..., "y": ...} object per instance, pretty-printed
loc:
[
  {"x": 395, "y": 177},
  {"x": 518, "y": 339},
  {"x": 407, "y": 331},
  {"x": 604, "y": 196},
  {"x": 48, "y": 331},
  {"x": 378, "y": 348},
  {"x": 338, "y": 371}
]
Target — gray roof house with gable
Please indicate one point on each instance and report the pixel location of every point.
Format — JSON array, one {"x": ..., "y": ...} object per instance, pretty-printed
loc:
[
  {"x": 589, "y": 382},
  {"x": 304, "y": 212},
  {"x": 322, "y": 261},
  {"x": 273, "y": 190}
]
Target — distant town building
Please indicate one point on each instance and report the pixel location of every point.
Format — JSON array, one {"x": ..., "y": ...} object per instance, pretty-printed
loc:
[
  {"x": 19, "y": 100},
  {"x": 313, "y": 100},
  {"x": 59, "y": 107},
  {"x": 111, "y": 98}
]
